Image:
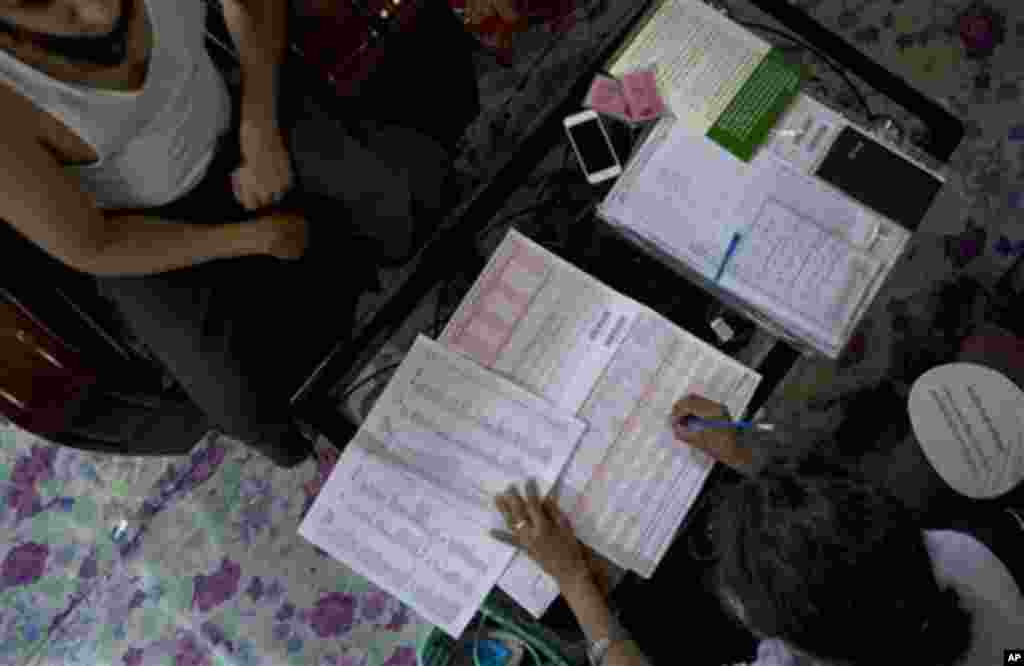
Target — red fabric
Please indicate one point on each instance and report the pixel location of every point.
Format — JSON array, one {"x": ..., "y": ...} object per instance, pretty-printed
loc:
[
  {"x": 499, "y": 34},
  {"x": 42, "y": 373},
  {"x": 1008, "y": 350},
  {"x": 558, "y": 14}
]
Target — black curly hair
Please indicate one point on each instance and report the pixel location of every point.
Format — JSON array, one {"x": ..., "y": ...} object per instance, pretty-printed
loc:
[{"x": 811, "y": 553}]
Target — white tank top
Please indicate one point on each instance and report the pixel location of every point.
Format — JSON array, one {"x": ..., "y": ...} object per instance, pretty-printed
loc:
[{"x": 153, "y": 145}]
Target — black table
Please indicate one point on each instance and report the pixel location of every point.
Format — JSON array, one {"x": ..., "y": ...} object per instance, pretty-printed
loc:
[
  {"x": 594, "y": 248},
  {"x": 342, "y": 365}
]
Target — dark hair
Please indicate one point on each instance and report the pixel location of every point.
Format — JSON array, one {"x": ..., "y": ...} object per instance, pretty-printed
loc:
[{"x": 834, "y": 566}]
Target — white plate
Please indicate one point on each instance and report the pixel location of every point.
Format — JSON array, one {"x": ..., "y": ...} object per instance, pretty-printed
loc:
[{"x": 969, "y": 420}]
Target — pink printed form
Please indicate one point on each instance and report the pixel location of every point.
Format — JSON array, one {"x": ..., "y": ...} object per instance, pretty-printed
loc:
[{"x": 499, "y": 307}]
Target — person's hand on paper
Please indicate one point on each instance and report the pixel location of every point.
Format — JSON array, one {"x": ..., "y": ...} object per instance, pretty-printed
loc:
[
  {"x": 722, "y": 444},
  {"x": 541, "y": 529}
]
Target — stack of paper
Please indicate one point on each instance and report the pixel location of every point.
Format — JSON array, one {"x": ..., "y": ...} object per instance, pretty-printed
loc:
[
  {"x": 619, "y": 366},
  {"x": 567, "y": 382},
  {"x": 410, "y": 503},
  {"x": 721, "y": 80},
  {"x": 802, "y": 258}
]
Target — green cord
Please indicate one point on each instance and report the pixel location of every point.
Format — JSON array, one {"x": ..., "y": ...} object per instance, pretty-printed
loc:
[
  {"x": 476, "y": 641},
  {"x": 536, "y": 642},
  {"x": 509, "y": 636},
  {"x": 432, "y": 647}
]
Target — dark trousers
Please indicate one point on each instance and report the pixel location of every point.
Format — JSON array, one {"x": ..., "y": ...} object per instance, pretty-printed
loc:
[{"x": 241, "y": 335}]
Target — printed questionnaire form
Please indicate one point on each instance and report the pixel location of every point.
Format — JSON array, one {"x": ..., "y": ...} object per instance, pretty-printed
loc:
[{"x": 618, "y": 366}]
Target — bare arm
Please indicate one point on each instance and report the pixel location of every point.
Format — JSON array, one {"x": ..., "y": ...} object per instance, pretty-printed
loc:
[
  {"x": 49, "y": 207},
  {"x": 547, "y": 536},
  {"x": 258, "y": 28},
  {"x": 141, "y": 245},
  {"x": 588, "y": 605}
]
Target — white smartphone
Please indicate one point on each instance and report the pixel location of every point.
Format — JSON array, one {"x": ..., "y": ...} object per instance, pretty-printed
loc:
[{"x": 593, "y": 147}]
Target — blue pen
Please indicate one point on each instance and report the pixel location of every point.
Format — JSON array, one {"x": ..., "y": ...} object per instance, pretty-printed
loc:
[
  {"x": 696, "y": 424},
  {"x": 731, "y": 250}
]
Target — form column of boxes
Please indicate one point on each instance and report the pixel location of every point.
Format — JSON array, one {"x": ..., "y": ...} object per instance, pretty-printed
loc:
[{"x": 505, "y": 302}]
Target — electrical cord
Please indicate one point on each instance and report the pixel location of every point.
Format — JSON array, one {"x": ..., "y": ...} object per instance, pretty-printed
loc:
[
  {"x": 553, "y": 657},
  {"x": 541, "y": 201},
  {"x": 505, "y": 635},
  {"x": 365, "y": 380},
  {"x": 442, "y": 300},
  {"x": 509, "y": 636},
  {"x": 438, "y": 649},
  {"x": 444, "y": 295},
  {"x": 476, "y": 642},
  {"x": 826, "y": 59},
  {"x": 512, "y": 217},
  {"x": 445, "y": 287}
]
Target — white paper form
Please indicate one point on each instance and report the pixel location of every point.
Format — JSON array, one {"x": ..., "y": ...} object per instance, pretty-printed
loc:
[
  {"x": 702, "y": 58},
  {"x": 639, "y": 494},
  {"x": 799, "y": 259},
  {"x": 789, "y": 263},
  {"x": 693, "y": 193},
  {"x": 585, "y": 347},
  {"x": 410, "y": 502},
  {"x": 804, "y": 134}
]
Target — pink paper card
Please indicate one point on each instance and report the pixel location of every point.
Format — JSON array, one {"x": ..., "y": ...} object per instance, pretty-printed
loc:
[
  {"x": 606, "y": 96},
  {"x": 640, "y": 89}
]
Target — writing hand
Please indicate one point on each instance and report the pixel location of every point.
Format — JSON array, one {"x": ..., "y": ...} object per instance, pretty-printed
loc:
[
  {"x": 265, "y": 174},
  {"x": 721, "y": 444}
]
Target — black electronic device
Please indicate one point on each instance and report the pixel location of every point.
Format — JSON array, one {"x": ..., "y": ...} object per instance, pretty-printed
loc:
[{"x": 879, "y": 178}]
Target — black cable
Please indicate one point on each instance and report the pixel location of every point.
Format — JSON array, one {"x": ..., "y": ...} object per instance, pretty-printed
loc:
[
  {"x": 539, "y": 203},
  {"x": 511, "y": 217},
  {"x": 828, "y": 61},
  {"x": 366, "y": 380},
  {"x": 443, "y": 298},
  {"x": 476, "y": 641},
  {"x": 441, "y": 292},
  {"x": 544, "y": 184}
]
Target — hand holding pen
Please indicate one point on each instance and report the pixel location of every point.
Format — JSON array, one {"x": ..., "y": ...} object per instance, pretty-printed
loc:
[
  {"x": 695, "y": 424},
  {"x": 705, "y": 425}
]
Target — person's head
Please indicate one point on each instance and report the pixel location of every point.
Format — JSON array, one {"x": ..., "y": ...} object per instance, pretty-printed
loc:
[
  {"x": 73, "y": 18},
  {"x": 812, "y": 554},
  {"x": 76, "y": 29}
]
